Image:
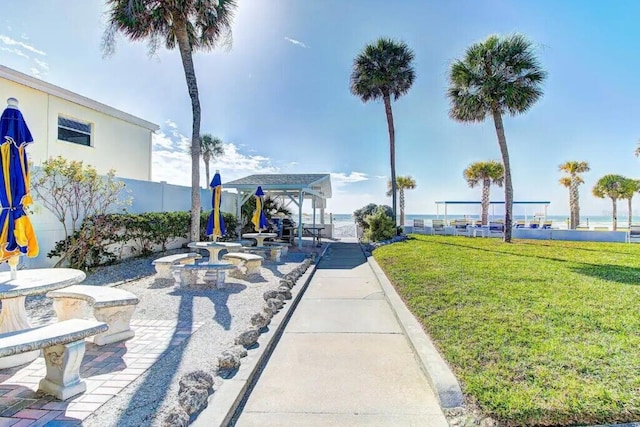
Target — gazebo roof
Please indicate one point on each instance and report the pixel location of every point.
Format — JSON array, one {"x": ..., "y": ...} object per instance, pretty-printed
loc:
[{"x": 315, "y": 184}]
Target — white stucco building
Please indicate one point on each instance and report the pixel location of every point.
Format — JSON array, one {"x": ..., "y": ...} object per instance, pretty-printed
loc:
[{"x": 75, "y": 127}]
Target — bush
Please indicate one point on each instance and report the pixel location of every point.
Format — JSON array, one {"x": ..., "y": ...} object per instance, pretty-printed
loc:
[
  {"x": 101, "y": 239},
  {"x": 381, "y": 226},
  {"x": 361, "y": 214}
]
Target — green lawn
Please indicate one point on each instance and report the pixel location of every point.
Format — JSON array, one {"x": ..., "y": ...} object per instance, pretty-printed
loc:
[{"x": 537, "y": 332}]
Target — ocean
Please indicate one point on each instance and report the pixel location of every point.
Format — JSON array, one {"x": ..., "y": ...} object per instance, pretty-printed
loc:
[{"x": 559, "y": 221}]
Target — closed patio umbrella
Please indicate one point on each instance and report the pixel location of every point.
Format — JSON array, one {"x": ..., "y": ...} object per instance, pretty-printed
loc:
[
  {"x": 16, "y": 236},
  {"x": 259, "y": 219},
  {"x": 215, "y": 226}
]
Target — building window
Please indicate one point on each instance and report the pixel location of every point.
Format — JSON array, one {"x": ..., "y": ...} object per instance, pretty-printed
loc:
[{"x": 74, "y": 131}]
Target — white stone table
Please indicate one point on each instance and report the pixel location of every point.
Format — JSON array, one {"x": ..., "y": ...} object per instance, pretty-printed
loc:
[
  {"x": 214, "y": 249},
  {"x": 13, "y": 293},
  {"x": 260, "y": 237}
]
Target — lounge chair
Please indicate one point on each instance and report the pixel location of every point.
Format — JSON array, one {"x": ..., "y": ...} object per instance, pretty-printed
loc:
[
  {"x": 519, "y": 224},
  {"x": 460, "y": 227},
  {"x": 634, "y": 232},
  {"x": 437, "y": 226},
  {"x": 547, "y": 224},
  {"x": 534, "y": 223},
  {"x": 496, "y": 227},
  {"x": 418, "y": 226}
]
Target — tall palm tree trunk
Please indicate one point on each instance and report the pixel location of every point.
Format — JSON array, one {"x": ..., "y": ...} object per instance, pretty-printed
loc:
[
  {"x": 401, "y": 207},
  {"x": 486, "y": 188},
  {"x": 573, "y": 190},
  {"x": 615, "y": 214},
  {"x": 508, "y": 186},
  {"x": 630, "y": 212},
  {"x": 392, "y": 149},
  {"x": 187, "y": 62},
  {"x": 576, "y": 205}
]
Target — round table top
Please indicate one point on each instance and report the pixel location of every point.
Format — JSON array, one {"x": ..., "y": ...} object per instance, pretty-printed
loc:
[
  {"x": 38, "y": 281},
  {"x": 221, "y": 245},
  {"x": 254, "y": 235}
]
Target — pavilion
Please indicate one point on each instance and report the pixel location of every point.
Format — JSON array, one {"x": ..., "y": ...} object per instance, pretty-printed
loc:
[{"x": 290, "y": 188}]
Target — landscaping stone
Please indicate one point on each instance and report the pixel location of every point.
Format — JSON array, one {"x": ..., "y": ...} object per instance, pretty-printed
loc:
[
  {"x": 198, "y": 378},
  {"x": 239, "y": 351},
  {"x": 193, "y": 399},
  {"x": 259, "y": 320},
  {"x": 284, "y": 292},
  {"x": 270, "y": 294},
  {"x": 228, "y": 360},
  {"x": 177, "y": 417},
  {"x": 288, "y": 283},
  {"x": 250, "y": 337},
  {"x": 274, "y": 305}
]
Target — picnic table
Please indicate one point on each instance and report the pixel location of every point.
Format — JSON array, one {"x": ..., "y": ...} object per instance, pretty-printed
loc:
[
  {"x": 13, "y": 293},
  {"x": 260, "y": 237},
  {"x": 214, "y": 249}
]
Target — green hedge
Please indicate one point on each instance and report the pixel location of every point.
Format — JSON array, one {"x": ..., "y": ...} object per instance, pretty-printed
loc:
[{"x": 101, "y": 239}]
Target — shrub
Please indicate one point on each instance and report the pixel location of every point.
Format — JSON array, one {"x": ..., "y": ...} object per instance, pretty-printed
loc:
[
  {"x": 361, "y": 214},
  {"x": 381, "y": 226}
]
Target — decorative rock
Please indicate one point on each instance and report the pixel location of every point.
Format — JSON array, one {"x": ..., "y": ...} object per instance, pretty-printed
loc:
[
  {"x": 270, "y": 294},
  {"x": 284, "y": 292},
  {"x": 288, "y": 283},
  {"x": 259, "y": 320},
  {"x": 177, "y": 417},
  {"x": 193, "y": 399},
  {"x": 198, "y": 378},
  {"x": 228, "y": 360},
  {"x": 267, "y": 312},
  {"x": 274, "y": 305},
  {"x": 238, "y": 350},
  {"x": 250, "y": 337}
]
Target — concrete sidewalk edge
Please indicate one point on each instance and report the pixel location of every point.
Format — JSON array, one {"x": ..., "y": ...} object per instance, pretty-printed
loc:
[
  {"x": 226, "y": 400},
  {"x": 439, "y": 374}
]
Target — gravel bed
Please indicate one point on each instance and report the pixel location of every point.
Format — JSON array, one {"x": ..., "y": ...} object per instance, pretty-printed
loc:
[{"x": 224, "y": 314}]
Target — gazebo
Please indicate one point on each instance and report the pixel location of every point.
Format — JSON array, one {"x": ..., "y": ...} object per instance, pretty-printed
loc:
[{"x": 290, "y": 188}]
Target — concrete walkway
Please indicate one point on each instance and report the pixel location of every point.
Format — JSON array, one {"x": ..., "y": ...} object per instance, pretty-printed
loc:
[{"x": 343, "y": 358}]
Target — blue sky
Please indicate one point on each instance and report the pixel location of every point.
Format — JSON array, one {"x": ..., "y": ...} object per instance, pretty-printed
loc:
[{"x": 280, "y": 96}]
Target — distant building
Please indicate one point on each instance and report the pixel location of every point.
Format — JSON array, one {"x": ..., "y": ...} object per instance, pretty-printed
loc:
[{"x": 66, "y": 124}]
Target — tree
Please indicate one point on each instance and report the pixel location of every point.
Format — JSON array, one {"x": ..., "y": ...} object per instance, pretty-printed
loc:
[
  {"x": 629, "y": 188},
  {"x": 189, "y": 25},
  {"x": 360, "y": 215},
  {"x": 487, "y": 173},
  {"x": 210, "y": 147},
  {"x": 402, "y": 183},
  {"x": 610, "y": 186},
  {"x": 384, "y": 70},
  {"x": 572, "y": 182},
  {"x": 72, "y": 192},
  {"x": 498, "y": 76},
  {"x": 636, "y": 152}
]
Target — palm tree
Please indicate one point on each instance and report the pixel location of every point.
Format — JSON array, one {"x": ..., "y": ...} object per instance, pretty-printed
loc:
[
  {"x": 189, "y": 25},
  {"x": 210, "y": 147},
  {"x": 637, "y": 150},
  {"x": 498, "y": 76},
  {"x": 384, "y": 70},
  {"x": 610, "y": 186},
  {"x": 487, "y": 173},
  {"x": 629, "y": 188},
  {"x": 572, "y": 182},
  {"x": 402, "y": 183}
]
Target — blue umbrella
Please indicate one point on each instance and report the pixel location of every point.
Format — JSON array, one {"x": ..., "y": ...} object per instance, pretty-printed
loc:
[
  {"x": 17, "y": 235},
  {"x": 215, "y": 226},
  {"x": 259, "y": 220}
]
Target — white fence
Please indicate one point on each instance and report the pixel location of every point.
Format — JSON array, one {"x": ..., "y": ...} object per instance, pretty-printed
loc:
[{"x": 147, "y": 197}]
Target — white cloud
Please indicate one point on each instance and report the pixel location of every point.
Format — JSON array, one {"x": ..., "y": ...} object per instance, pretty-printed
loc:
[
  {"x": 293, "y": 163},
  {"x": 24, "y": 36},
  {"x": 339, "y": 179},
  {"x": 14, "y": 51},
  {"x": 296, "y": 42},
  {"x": 8, "y": 41},
  {"x": 172, "y": 159},
  {"x": 42, "y": 64},
  {"x": 35, "y": 72}
]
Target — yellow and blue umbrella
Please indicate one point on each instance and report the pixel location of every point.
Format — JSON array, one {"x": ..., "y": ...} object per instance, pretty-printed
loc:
[
  {"x": 259, "y": 220},
  {"x": 215, "y": 226},
  {"x": 17, "y": 235}
]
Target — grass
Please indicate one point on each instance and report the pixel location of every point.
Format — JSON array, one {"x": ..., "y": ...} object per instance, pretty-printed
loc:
[{"x": 537, "y": 332}]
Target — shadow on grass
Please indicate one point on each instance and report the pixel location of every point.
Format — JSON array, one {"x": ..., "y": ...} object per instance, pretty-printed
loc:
[{"x": 612, "y": 273}]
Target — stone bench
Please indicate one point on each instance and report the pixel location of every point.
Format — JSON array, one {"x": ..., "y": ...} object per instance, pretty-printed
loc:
[
  {"x": 283, "y": 245},
  {"x": 251, "y": 263},
  {"x": 63, "y": 348},
  {"x": 267, "y": 252},
  {"x": 162, "y": 265},
  {"x": 110, "y": 305},
  {"x": 186, "y": 275}
]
